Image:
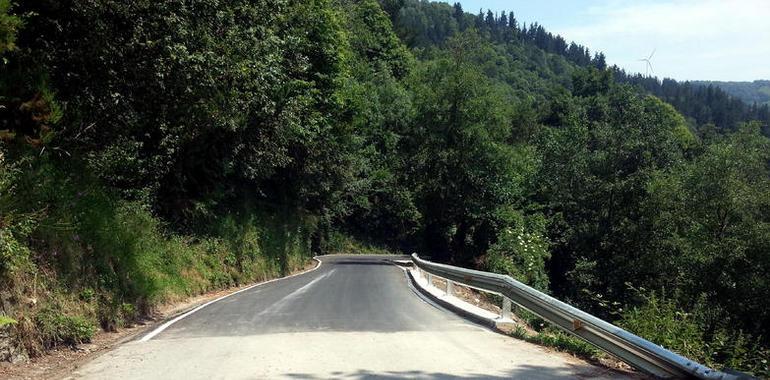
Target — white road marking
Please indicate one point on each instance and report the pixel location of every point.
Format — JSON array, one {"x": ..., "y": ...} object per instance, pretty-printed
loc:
[
  {"x": 283, "y": 301},
  {"x": 166, "y": 325}
]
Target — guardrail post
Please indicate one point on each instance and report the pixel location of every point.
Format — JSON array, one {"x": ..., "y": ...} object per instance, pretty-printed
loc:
[
  {"x": 640, "y": 353},
  {"x": 506, "y": 311},
  {"x": 449, "y": 287}
]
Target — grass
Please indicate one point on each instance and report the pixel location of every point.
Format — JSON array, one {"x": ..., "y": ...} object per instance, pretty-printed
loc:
[
  {"x": 542, "y": 333},
  {"x": 7, "y": 321},
  {"x": 87, "y": 259},
  {"x": 562, "y": 341}
]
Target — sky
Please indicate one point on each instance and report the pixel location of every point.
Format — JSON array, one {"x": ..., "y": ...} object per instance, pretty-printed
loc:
[{"x": 727, "y": 40}]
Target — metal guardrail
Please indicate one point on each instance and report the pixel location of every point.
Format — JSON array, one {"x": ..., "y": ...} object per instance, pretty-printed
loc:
[{"x": 634, "y": 350}]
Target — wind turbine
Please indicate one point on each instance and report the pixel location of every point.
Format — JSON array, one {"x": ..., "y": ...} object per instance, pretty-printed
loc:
[{"x": 648, "y": 67}]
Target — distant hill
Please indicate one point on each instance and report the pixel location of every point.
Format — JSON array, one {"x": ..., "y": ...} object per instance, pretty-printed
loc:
[
  {"x": 544, "y": 62},
  {"x": 757, "y": 91}
]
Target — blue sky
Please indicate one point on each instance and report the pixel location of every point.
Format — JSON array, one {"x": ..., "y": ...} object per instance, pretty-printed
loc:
[{"x": 692, "y": 39}]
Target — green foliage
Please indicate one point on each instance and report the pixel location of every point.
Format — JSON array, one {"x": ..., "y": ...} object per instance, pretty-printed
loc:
[
  {"x": 712, "y": 225},
  {"x": 7, "y": 321},
  {"x": 757, "y": 91},
  {"x": 521, "y": 251},
  {"x": 592, "y": 182},
  {"x": 15, "y": 227},
  {"x": 661, "y": 321},
  {"x": 215, "y": 94},
  {"x": 340, "y": 243},
  {"x": 591, "y": 82},
  {"x": 542, "y": 333},
  {"x": 373, "y": 40},
  {"x": 155, "y": 150},
  {"x": 56, "y": 328},
  {"x": 378, "y": 202},
  {"x": 565, "y": 342},
  {"x": 9, "y": 25},
  {"x": 120, "y": 260},
  {"x": 460, "y": 160}
]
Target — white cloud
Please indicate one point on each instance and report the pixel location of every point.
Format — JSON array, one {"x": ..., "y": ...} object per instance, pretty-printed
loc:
[{"x": 709, "y": 39}]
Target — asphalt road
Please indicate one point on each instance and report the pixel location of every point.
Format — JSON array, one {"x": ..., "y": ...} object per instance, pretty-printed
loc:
[{"x": 353, "y": 317}]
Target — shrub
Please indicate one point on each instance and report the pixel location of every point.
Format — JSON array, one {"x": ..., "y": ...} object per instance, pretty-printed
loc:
[
  {"x": 659, "y": 320},
  {"x": 56, "y": 328},
  {"x": 562, "y": 341},
  {"x": 105, "y": 261},
  {"x": 14, "y": 226},
  {"x": 521, "y": 251}
]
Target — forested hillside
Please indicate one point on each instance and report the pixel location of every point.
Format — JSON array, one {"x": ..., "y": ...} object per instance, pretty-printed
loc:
[
  {"x": 154, "y": 150},
  {"x": 422, "y": 24},
  {"x": 757, "y": 91}
]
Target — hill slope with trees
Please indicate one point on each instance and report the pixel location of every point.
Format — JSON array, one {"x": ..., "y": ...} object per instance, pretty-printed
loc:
[
  {"x": 757, "y": 91},
  {"x": 152, "y": 151}
]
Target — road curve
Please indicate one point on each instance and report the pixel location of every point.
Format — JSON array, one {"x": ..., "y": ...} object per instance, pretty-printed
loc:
[{"x": 354, "y": 317}]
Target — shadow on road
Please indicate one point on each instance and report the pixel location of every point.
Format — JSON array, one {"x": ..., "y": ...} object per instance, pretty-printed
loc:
[
  {"x": 522, "y": 372},
  {"x": 351, "y": 262}
]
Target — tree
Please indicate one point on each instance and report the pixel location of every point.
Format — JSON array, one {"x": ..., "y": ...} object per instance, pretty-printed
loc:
[
  {"x": 713, "y": 231},
  {"x": 490, "y": 21},
  {"x": 592, "y": 184},
  {"x": 199, "y": 98},
  {"x": 459, "y": 159},
  {"x": 458, "y": 14},
  {"x": 9, "y": 24},
  {"x": 372, "y": 38},
  {"x": 392, "y": 7},
  {"x": 599, "y": 61},
  {"x": 513, "y": 24}
]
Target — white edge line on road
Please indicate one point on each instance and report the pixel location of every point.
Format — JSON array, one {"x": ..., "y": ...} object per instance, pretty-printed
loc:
[{"x": 166, "y": 325}]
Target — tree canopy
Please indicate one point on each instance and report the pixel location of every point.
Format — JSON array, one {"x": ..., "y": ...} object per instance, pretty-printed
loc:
[{"x": 475, "y": 139}]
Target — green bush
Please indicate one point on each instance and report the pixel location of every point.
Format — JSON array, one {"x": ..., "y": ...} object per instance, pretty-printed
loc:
[
  {"x": 521, "y": 251},
  {"x": 341, "y": 243},
  {"x": 15, "y": 226},
  {"x": 660, "y": 320},
  {"x": 112, "y": 260},
  {"x": 562, "y": 341},
  {"x": 56, "y": 328}
]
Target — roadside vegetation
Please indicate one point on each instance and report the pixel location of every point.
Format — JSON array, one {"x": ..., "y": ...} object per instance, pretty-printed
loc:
[{"x": 154, "y": 150}]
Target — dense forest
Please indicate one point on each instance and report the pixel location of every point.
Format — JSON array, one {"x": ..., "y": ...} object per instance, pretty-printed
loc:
[
  {"x": 155, "y": 150},
  {"x": 424, "y": 25},
  {"x": 757, "y": 91}
]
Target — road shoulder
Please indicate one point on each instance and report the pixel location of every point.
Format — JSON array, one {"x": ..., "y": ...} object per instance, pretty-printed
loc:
[{"x": 62, "y": 361}]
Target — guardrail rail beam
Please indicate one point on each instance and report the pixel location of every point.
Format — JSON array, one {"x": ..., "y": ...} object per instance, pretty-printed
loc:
[{"x": 632, "y": 349}]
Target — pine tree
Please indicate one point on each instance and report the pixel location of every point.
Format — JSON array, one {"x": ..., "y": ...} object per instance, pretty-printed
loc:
[
  {"x": 459, "y": 14},
  {"x": 512, "y": 23},
  {"x": 599, "y": 61},
  {"x": 490, "y": 20}
]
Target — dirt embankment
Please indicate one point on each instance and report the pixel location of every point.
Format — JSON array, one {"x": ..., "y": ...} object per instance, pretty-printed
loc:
[{"x": 61, "y": 361}]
